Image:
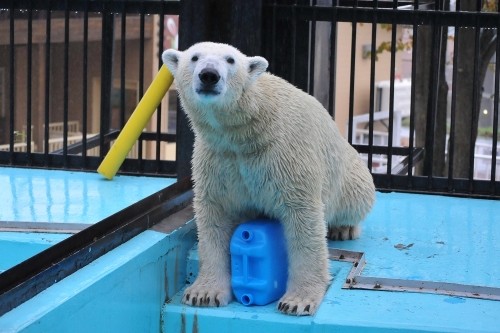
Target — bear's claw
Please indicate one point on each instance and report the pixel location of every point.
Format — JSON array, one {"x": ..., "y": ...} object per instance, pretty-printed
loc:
[
  {"x": 299, "y": 304},
  {"x": 204, "y": 301},
  {"x": 287, "y": 309},
  {"x": 199, "y": 296}
]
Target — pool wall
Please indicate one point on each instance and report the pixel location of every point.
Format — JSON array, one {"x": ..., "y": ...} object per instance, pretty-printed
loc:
[{"x": 122, "y": 291}]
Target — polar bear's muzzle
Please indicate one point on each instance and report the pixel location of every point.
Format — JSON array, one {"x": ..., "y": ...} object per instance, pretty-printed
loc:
[{"x": 209, "y": 78}]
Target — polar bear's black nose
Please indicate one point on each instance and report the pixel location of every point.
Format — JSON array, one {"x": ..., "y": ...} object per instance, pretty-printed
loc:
[{"x": 209, "y": 76}]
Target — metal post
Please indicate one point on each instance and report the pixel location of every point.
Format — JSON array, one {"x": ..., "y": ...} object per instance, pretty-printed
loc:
[
  {"x": 238, "y": 23},
  {"x": 107, "y": 46}
]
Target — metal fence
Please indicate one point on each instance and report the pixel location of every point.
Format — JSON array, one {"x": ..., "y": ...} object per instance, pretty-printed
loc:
[
  {"x": 420, "y": 106},
  {"x": 71, "y": 72},
  {"x": 413, "y": 85}
]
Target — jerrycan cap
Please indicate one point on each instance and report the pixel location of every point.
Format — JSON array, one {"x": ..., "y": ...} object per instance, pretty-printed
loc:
[
  {"x": 246, "y": 235},
  {"x": 246, "y": 299}
]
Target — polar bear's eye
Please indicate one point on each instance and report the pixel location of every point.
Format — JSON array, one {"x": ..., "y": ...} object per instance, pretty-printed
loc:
[
  {"x": 230, "y": 60},
  {"x": 194, "y": 58}
]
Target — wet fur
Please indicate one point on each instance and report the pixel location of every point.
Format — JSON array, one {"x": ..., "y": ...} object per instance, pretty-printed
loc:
[{"x": 267, "y": 148}]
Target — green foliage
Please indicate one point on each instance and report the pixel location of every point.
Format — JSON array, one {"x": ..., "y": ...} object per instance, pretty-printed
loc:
[
  {"x": 386, "y": 46},
  {"x": 486, "y": 132},
  {"x": 490, "y": 6}
]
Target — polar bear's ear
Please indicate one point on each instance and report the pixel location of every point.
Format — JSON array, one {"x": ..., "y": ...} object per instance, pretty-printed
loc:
[
  {"x": 171, "y": 59},
  {"x": 256, "y": 66}
]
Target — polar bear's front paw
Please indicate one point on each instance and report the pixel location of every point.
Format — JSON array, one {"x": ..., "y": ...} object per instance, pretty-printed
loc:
[
  {"x": 299, "y": 305},
  {"x": 207, "y": 295}
]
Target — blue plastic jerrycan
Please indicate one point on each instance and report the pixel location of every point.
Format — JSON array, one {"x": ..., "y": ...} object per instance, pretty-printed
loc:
[{"x": 259, "y": 263}]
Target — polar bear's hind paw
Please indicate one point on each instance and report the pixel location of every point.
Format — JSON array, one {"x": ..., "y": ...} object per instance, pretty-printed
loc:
[{"x": 344, "y": 232}]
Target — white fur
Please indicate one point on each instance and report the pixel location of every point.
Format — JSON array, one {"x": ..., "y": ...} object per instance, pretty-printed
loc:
[{"x": 264, "y": 147}]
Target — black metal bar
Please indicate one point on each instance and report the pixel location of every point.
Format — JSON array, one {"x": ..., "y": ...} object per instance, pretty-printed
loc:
[
  {"x": 246, "y": 18},
  {"x": 12, "y": 81},
  {"x": 391, "y": 96},
  {"x": 451, "y": 142},
  {"x": 312, "y": 51},
  {"x": 352, "y": 79},
  {"x": 293, "y": 50},
  {"x": 123, "y": 50},
  {"x": 372, "y": 87},
  {"x": 159, "y": 109},
  {"x": 390, "y": 16},
  {"x": 115, "y": 6},
  {"x": 107, "y": 46},
  {"x": 141, "y": 81},
  {"x": 411, "y": 135},
  {"x": 384, "y": 150},
  {"x": 29, "y": 67},
  {"x": 129, "y": 166},
  {"x": 193, "y": 27},
  {"x": 475, "y": 102},
  {"x": 402, "y": 167},
  {"x": 482, "y": 188},
  {"x": 369, "y": 3},
  {"x": 333, "y": 64},
  {"x": 163, "y": 137},
  {"x": 85, "y": 83},
  {"x": 93, "y": 142},
  {"x": 301, "y": 37},
  {"x": 496, "y": 100},
  {"x": 66, "y": 81},
  {"x": 34, "y": 275},
  {"x": 432, "y": 103},
  {"x": 47, "y": 79},
  {"x": 197, "y": 24},
  {"x": 273, "y": 33},
  {"x": 173, "y": 7}
]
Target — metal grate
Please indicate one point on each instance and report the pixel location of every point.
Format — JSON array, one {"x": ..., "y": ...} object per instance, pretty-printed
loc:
[{"x": 355, "y": 280}]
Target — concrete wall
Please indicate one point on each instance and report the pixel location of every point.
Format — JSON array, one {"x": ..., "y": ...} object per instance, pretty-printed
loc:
[{"x": 122, "y": 291}]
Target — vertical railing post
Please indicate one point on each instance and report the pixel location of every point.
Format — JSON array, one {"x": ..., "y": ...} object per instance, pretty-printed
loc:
[
  {"x": 290, "y": 44},
  {"x": 107, "y": 47}
]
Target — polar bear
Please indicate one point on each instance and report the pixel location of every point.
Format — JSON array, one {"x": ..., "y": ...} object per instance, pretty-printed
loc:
[{"x": 265, "y": 148}]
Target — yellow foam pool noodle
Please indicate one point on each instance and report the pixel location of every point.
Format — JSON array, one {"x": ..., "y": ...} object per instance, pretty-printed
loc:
[{"x": 136, "y": 123}]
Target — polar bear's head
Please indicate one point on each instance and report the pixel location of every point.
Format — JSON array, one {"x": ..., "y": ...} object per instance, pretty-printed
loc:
[{"x": 211, "y": 73}]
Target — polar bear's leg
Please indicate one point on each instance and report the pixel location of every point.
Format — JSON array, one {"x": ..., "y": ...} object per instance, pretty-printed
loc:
[
  {"x": 355, "y": 202},
  {"x": 213, "y": 284},
  {"x": 308, "y": 275}
]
